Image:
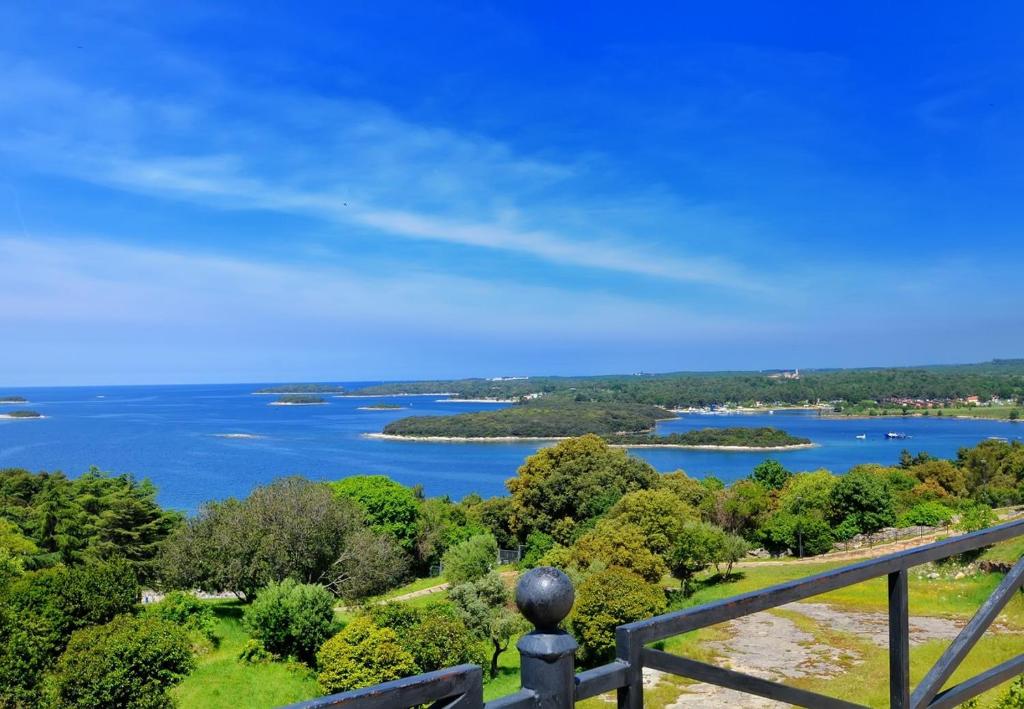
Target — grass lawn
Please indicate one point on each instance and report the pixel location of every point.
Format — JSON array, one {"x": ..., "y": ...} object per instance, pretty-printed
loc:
[
  {"x": 222, "y": 681},
  {"x": 1007, "y": 552}
]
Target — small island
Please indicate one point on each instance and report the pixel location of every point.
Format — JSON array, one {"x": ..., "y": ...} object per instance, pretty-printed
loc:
[
  {"x": 381, "y": 407},
  {"x": 533, "y": 420},
  {"x": 297, "y": 400},
  {"x": 22, "y": 414},
  {"x": 302, "y": 389},
  {"x": 739, "y": 438},
  {"x": 11, "y": 399}
]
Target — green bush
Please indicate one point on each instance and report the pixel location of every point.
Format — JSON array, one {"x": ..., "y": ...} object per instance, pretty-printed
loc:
[
  {"x": 291, "y": 619},
  {"x": 975, "y": 517},
  {"x": 362, "y": 655},
  {"x": 441, "y": 639},
  {"x": 186, "y": 611},
  {"x": 926, "y": 514},
  {"x": 129, "y": 662},
  {"x": 471, "y": 559},
  {"x": 254, "y": 652},
  {"x": 389, "y": 507},
  {"x": 606, "y": 600}
]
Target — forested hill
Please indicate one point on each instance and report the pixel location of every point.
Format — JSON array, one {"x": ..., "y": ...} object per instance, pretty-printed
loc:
[
  {"x": 1001, "y": 378},
  {"x": 538, "y": 420}
]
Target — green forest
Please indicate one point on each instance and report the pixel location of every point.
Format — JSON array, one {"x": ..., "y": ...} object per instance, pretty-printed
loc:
[
  {"x": 760, "y": 437},
  {"x": 537, "y": 419},
  {"x": 999, "y": 378}
]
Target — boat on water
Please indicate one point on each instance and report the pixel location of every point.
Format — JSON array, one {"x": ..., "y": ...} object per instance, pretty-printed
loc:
[
  {"x": 861, "y": 436},
  {"x": 896, "y": 436}
]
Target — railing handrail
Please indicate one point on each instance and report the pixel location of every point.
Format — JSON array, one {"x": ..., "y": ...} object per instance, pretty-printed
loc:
[{"x": 545, "y": 596}]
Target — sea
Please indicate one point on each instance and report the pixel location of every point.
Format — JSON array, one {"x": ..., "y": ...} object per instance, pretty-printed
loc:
[{"x": 185, "y": 438}]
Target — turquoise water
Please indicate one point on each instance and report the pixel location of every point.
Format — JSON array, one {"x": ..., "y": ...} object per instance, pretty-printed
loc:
[{"x": 169, "y": 434}]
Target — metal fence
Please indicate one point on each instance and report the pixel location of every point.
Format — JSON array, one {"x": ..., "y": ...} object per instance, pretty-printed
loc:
[{"x": 549, "y": 680}]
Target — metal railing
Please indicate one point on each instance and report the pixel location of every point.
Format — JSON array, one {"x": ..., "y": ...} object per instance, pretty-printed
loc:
[{"x": 545, "y": 596}]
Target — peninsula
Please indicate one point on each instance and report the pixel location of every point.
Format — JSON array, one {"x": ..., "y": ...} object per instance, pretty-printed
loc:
[{"x": 302, "y": 389}]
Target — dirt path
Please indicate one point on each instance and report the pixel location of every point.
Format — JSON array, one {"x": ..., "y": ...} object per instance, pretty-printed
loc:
[{"x": 774, "y": 647}]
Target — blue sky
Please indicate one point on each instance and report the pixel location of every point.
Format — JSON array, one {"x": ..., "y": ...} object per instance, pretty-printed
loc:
[{"x": 200, "y": 192}]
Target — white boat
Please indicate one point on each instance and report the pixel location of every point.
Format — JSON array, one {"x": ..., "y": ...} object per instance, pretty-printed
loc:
[
  {"x": 862, "y": 436},
  {"x": 896, "y": 436}
]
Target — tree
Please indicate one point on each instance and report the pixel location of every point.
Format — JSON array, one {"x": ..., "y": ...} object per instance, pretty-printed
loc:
[
  {"x": 770, "y": 474},
  {"x": 362, "y": 655},
  {"x": 942, "y": 472},
  {"x": 731, "y": 550},
  {"x": 291, "y": 528},
  {"x": 616, "y": 543},
  {"x": 693, "y": 492},
  {"x": 696, "y": 548},
  {"x": 804, "y": 534},
  {"x": 369, "y": 564},
  {"x": 484, "y": 607},
  {"x": 291, "y": 619},
  {"x": 575, "y": 481},
  {"x": 606, "y": 600},
  {"x": 808, "y": 494},
  {"x": 862, "y": 497},
  {"x": 659, "y": 514},
  {"x": 389, "y": 507},
  {"x": 441, "y": 525},
  {"x": 471, "y": 559},
  {"x": 129, "y": 662},
  {"x": 41, "y": 609},
  {"x": 740, "y": 507}
]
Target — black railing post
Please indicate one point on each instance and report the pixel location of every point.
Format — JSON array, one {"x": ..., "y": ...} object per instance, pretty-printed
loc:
[
  {"x": 545, "y": 596},
  {"x": 899, "y": 641}
]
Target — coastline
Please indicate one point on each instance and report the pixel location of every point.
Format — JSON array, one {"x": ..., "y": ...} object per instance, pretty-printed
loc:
[
  {"x": 22, "y": 418},
  {"x": 385, "y": 396},
  {"x": 739, "y": 449},
  {"x": 297, "y": 403},
  {"x": 293, "y": 393},
  {"x": 463, "y": 439},
  {"x": 523, "y": 439},
  {"x": 864, "y": 417},
  {"x": 381, "y": 408},
  {"x": 476, "y": 401}
]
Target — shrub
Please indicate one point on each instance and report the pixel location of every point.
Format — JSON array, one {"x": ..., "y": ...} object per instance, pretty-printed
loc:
[
  {"x": 441, "y": 639},
  {"x": 129, "y": 662},
  {"x": 537, "y": 545},
  {"x": 186, "y": 611},
  {"x": 471, "y": 559},
  {"x": 926, "y": 514},
  {"x": 291, "y": 619},
  {"x": 254, "y": 652},
  {"x": 975, "y": 517},
  {"x": 362, "y": 655},
  {"x": 847, "y": 529},
  {"x": 606, "y": 600},
  {"x": 794, "y": 533},
  {"x": 659, "y": 514}
]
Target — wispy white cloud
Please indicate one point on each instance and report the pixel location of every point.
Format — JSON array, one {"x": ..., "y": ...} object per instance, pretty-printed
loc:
[{"x": 350, "y": 163}]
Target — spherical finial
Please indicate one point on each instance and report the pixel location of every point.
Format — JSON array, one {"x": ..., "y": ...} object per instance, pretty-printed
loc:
[{"x": 545, "y": 596}]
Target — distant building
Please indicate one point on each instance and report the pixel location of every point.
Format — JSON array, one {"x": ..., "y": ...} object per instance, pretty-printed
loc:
[{"x": 785, "y": 374}]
